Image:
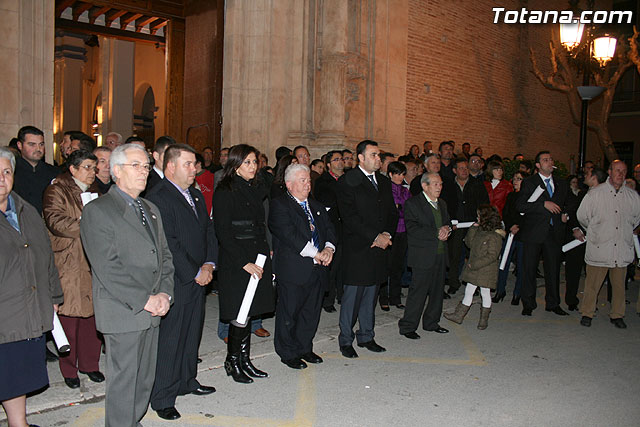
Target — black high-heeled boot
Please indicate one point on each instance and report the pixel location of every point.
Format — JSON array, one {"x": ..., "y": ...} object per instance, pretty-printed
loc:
[
  {"x": 515, "y": 300},
  {"x": 499, "y": 296},
  {"x": 245, "y": 357},
  {"x": 232, "y": 362}
]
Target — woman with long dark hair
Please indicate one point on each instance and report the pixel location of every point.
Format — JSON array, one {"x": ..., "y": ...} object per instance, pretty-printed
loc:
[
  {"x": 278, "y": 188},
  {"x": 239, "y": 219}
]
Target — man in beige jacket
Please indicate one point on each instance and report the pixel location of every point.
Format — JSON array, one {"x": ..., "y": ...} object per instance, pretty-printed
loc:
[{"x": 609, "y": 213}]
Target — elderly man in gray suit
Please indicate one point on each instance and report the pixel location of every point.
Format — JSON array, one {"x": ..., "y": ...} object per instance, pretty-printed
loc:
[{"x": 132, "y": 271}]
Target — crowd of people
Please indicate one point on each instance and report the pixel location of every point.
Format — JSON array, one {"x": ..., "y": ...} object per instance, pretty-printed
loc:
[{"x": 122, "y": 242}]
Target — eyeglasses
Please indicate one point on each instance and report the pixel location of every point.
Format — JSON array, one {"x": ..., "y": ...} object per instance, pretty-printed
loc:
[
  {"x": 139, "y": 166},
  {"x": 88, "y": 168}
]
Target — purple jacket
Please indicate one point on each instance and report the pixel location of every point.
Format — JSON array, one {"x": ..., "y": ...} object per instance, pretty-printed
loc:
[{"x": 400, "y": 195}]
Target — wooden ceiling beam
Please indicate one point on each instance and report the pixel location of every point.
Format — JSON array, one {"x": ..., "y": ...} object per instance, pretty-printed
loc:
[
  {"x": 79, "y": 8},
  {"x": 61, "y": 5},
  {"x": 112, "y": 15},
  {"x": 96, "y": 11},
  {"x": 127, "y": 18},
  {"x": 155, "y": 26},
  {"x": 141, "y": 22}
]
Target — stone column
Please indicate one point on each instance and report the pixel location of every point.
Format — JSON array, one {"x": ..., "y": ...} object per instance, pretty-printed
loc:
[
  {"x": 117, "y": 87},
  {"x": 26, "y": 47}
]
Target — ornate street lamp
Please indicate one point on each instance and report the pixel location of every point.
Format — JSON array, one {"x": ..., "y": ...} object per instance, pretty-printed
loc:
[{"x": 602, "y": 49}]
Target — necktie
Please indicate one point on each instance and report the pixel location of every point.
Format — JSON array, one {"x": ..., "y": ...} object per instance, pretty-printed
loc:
[
  {"x": 550, "y": 191},
  {"x": 187, "y": 196},
  {"x": 434, "y": 204},
  {"x": 141, "y": 215},
  {"x": 312, "y": 225},
  {"x": 549, "y": 188},
  {"x": 373, "y": 181}
]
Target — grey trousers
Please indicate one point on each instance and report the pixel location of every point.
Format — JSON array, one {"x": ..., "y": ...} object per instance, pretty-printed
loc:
[
  {"x": 131, "y": 369},
  {"x": 358, "y": 304}
]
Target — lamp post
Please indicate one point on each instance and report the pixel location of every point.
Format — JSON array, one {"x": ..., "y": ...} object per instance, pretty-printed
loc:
[{"x": 602, "y": 49}]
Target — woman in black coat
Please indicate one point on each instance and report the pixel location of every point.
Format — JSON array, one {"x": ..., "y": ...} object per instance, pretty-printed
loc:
[{"x": 239, "y": 220}]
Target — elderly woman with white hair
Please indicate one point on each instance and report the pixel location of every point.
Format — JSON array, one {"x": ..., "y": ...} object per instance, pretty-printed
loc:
[{"x": 29, "y": 293}]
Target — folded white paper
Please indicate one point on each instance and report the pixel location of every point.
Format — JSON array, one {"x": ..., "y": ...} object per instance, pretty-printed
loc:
[
  {"x": 536, "y": 194},
  {"x": 637, "y": 245},
  {"x": 572, "y": 244},
  {"x": 505, "y": 253},
  {"x": 250, "y": 293},
  {"x": 87, "y": 197},
  {"x": 60, "y": 338}
]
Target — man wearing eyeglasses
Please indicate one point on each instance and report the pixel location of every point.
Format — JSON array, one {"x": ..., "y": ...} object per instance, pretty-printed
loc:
[{"x": 132, "y": 271}]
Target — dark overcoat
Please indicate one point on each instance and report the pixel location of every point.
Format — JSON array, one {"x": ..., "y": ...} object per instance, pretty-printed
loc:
[
  {"x": 365, "y": 212},
  {"x": 239, "y": 219}
]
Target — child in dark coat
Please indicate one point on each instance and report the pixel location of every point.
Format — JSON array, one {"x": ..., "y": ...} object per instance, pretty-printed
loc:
[{"x": 484, "y": 240}]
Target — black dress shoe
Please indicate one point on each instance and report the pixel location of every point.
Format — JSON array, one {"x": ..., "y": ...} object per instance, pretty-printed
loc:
[
  {"x": 168, "y": 413},
  {"x": 311, "y": 357},
  {"x": 72, "y": 382},
  {"x": 203, "y": 390},
  {"x": 400, "y": 306},
  {"x": 329, "y": 309},
  {"x": 294, "y": 363},
  {"x": 585, "y": 321},
  {"x": 447, "y": 296},
  {"x": 372, "y": 346},
  {"x": 438, "y": 330},
  {"x": 573, "y": 307},
  {"x": 557, "y": 310},
  {"x": 199, "y": 360},
  {"x": 527, "y": 311},
  {"x": 384, "y": 307},
  {"x": 412, "y": 335},
  {"x": 619, "y": 323},
  {"x": 499, "y": 296},
  {"x": 515, "y": 300},
  {"x": 95, "y": 376},
  {"x": 451, "y": 291},
  {"x": 348, "y": 351},
  {"x": 51, "y": 356}
]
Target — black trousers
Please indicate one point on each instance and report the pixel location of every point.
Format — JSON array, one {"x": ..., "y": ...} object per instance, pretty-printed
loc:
[
  {"x": 574, "y": 264},
  {"x": 298, "y": 315},
  {"x": 390, "y": 291},
  {"x": 426, "y": 282},
  {"x": 335, "y": 279},
  {"x": 455, "y": 245},
  {"x": 551, "y": 250},
  {"x": 178, "y": 343}
]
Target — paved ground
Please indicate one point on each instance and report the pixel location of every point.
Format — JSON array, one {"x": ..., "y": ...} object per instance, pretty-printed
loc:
[{"x": 543, "y": 370}]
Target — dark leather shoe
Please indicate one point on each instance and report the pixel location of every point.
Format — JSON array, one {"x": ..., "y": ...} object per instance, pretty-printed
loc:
[
  {"x": 400, "y": 306},
  {"x": 203, "y": 390},
  {"x": 412, "y": 335},
  {"x": 557, "y": 310},
  {"x": 329, "y": 309},
  {"x": 168, "y": 413},
  {"x": 348, "y": 351},
  {"x": 262, "y": 333},
  {"x": 451, "y": 291},
  {"x": 447, "y": 296},
  {"x": 372, "y": 346},
  {"x": 199, "y": 360},
  {"x": 573, "y": 307},
  {"x": 526, "y": 312},
  {"x": 294, "y": 363},
  {"x": 384, "y": 307},
  {"x": 72, "y": 382},
  {"x": 438, "y": 330},
  {"x": 619, "y": 323},
  {"x": 51, "y": 356},
  {"x": 515, "y": 300},
  {"x": 311, "y": 357},
  {"x": 585, "y": 321},
  {"x": 95, "y": 376}
]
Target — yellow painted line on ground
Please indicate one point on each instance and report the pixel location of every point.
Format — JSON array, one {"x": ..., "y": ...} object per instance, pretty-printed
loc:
[
  {"x": 304, "y": 416},
  {"x": 476, "y": 358}
]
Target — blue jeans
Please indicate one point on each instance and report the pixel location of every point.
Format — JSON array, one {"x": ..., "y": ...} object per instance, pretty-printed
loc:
[
  {"x": 516, "y": 247},
  {"x": 223, "y": 328}
]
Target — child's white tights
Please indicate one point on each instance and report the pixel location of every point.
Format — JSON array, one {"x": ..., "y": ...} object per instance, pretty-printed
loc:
[{"x": 484, "y": 292}]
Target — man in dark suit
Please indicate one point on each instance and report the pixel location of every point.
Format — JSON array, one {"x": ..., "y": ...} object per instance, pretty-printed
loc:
[
  {"x": 369, "y": 216},
  {"x": 428, "y": 227},
  {"x": 542, "y": 230},
  {"x": 463, "y": 196},
  {"x": 303, "y": 247},
  {"x": 194, "y": 247},
  {"x": 132, "y": 270},
  {"x": 157, "y": 174},
  {"x": 326, "y": 192}
]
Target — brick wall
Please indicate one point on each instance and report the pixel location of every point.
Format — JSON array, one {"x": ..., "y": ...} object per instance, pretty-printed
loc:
[{"x": 470, "y": 80}]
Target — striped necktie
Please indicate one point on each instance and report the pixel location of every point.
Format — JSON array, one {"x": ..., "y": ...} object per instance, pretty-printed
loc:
[{"x": 312, "y": 225}]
